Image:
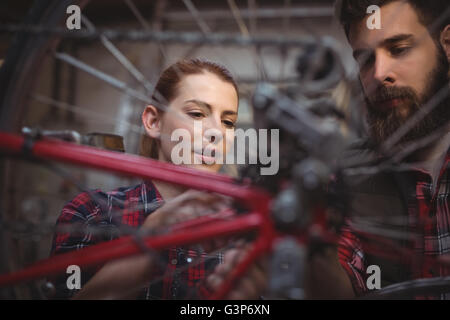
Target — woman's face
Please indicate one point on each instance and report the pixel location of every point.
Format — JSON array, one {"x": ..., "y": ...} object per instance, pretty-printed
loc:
[{"x": 211, "y": 104}]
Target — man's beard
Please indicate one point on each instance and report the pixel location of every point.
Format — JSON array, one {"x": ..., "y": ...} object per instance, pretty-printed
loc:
[{"x": 384, "y": 122}]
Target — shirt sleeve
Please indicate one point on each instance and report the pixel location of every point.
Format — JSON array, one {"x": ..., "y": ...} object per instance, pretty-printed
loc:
[
  {"x": 72, "y": 233},
  {"x": 351, "y": 257}
]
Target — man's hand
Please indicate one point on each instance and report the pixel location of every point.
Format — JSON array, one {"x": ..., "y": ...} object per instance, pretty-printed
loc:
[
  {"x": 250, "y": 286},
  {"x": 326, "y": 279}
]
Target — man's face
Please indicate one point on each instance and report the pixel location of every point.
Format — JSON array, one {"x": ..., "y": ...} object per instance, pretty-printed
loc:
[{"x": 401, "y": 68}]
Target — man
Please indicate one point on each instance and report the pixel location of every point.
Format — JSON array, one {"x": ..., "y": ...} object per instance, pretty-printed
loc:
[
  {"x": 402, "y": 67},
  {"x": 396, "y": 218}
]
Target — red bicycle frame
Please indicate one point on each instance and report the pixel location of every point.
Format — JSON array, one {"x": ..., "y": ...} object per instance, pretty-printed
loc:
[{"x": 256, "y": 200}]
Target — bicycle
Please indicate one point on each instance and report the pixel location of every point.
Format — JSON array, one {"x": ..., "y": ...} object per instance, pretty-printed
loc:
[{"x": 313, "y": 144}]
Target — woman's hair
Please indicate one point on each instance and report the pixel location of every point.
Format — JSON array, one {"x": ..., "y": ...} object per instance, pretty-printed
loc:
[{"x": 166, "y": 90}]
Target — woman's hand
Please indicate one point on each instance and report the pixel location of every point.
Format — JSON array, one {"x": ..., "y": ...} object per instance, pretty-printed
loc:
[{"x": 189, "y": 205}]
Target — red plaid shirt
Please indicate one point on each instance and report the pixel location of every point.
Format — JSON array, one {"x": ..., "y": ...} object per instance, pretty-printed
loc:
[
  {"x": 98, "y": 216},
  {"x": 428, "y": 216}
]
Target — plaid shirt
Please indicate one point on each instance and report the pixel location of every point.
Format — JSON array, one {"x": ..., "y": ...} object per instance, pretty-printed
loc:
[
  {"x": 428, "y": 216},
  {"x": 97, "y": 216}
]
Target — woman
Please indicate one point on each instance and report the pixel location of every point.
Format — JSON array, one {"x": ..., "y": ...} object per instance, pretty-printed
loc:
[{"x": 190, "y": 91}]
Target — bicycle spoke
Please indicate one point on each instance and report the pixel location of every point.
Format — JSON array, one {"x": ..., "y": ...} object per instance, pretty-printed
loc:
[
  {"x": 147, "y": 27},
  {"x": 93, "y": 115},
  {"x": 121, "y": 58},
  {"x": 238, "y": 18},
  {"x": 86, "y": 112},
  {"x": 382, "y": 230},
  {"x": 246, "y": 34},
  {"x": 252, "y": 15},
  {"x": 198, "y": 19},
  {"x": 201, "y": 23},
  {"x": 116, "y": 83},
  {"x": 138, "y": 14}
]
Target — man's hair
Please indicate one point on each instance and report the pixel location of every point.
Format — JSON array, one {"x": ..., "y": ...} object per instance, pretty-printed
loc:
[{"x": 429, "y": 12}]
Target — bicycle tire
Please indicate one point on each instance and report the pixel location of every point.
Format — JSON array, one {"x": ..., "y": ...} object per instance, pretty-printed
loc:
[{"x": 23, "y": 59}]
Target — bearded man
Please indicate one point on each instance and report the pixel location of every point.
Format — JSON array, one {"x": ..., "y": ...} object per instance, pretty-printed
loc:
[
  {"x": 404, "y": 73},
  {"x": 398, "y": 223}
]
